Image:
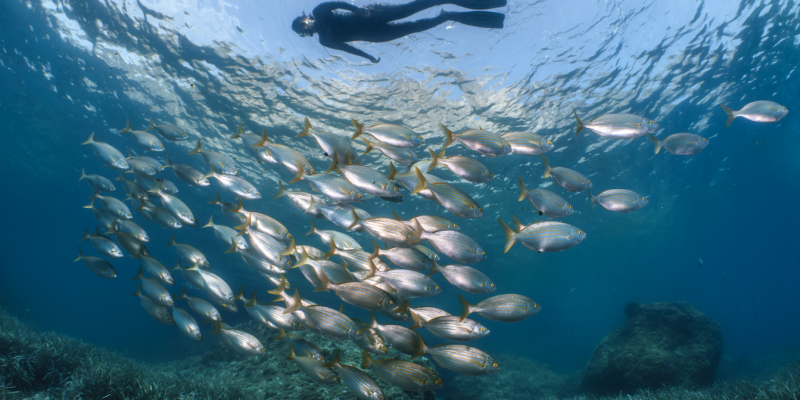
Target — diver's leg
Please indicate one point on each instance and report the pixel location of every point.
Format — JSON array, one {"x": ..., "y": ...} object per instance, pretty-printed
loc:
[
  {"x": 392, "y": 12},
  {"x": 392, "y": 31}
]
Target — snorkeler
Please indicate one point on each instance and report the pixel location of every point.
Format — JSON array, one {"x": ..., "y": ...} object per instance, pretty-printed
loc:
[{"x": 373, "y": 23}]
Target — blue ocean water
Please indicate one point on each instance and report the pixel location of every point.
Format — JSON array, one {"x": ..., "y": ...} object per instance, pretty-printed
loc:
[{"x": 68, "y": 69}]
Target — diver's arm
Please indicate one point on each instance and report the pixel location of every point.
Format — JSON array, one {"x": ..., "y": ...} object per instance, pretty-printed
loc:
[
  {"x": 329, "y": 6},
  {"x": 348, "y": 48}
]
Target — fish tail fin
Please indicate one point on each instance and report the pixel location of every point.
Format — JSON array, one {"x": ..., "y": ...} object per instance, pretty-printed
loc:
[
  {"x": 139, "y": 275},
  {"x": 303, "y": 259},
  {"x": 178, "y": 266},
  {"x": 95, "y": 195},
  {"x": 731, "y": 115},
  {"x": 434, "y": 159},
  {"x": 359, "y": 130},
  {"x": 264, "y": 140},
  {"x": 83, "y": 175},
  {"x": 466, "y": 308},
  {"x": 448, "y": 136},
  {"x": 435, "y": 267},
  {"x": 253, "y": 300},
  {"x": 373, "y": 322},
  {"x": 217, "y": 327},
  {"x": 656, "y": 143},
  {"x": 324, "y": 282},
  {"x": 355, "y": 219},
  {"x": 246, "y": 224},
  {"x": 509, "y": 234},
  {"x": 290, "y": 249},
  {"x": 372, "y": 269},
  {"x": 239, "y": 206},
  {"x": 546, "y": 167},
  {"x": 522, "y": 191},
  {"x": 334, "y": 163},
  {"x": 85, "y": 235},
  {"x": 121, "y": 176},
  {"x": 517, "y": 225},
  {"x": 127, "y": 127},
  {"x": 335, "y": 361},
  {"x": 295, "y": 303},
  {"x": 174, "y": 241},
  {"x": 234, "y": 247},
  {"x": 291, "y": 350},
  {"x": 152, "y": 125},
  {"x": 376, "y": 250},
  {"x": 300, "y": 173},
  {"x": 281, "y": 190},
  {"x": 197, "y": 148},
  {"x": 216, "y": 199},
  {"x": 90, "y": 140},
  {"x": 395, "y": 216},
  {"x": 421, "y": 347},
  {"x": 138, "y": 292},
  {"x": 182, "y": 295},
  {"x": 365, "y": 359},
  {"x": 312, "y": 229},
  {"x": 417, "y": 235},
  {"x": 282, "y": 335},
  {"x": 421, "y": 182},
  {"x": 592, "y": 199},
  {"x": 280, "y": 287},
  {"x": 403, "y": 307},
  {"x": 330, "y": 253},
  {"x": 392, "y": 172},
  {"x": 80, "y": 255},
  {"x": 240, "y": 294},
  {"x": 578, "y": 120},
  {"x": 90, "y": 205},
  {"x": 210, "y": 222},
  {"x": 239, "y": 131},
  {"x": 211, "y": 172},
  {"x": 368, "y": 144},
  {"x": 306, "y": 128},
  {"x": 168, "y": 164},
  {"x": 417, "y": 321}
]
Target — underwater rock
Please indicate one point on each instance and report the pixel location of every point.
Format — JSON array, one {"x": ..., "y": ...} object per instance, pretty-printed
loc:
[{"x": 661, "y": 344}]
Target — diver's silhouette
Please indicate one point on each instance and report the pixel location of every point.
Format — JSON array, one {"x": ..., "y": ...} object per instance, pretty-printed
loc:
[{"x": 373, "y": 23}]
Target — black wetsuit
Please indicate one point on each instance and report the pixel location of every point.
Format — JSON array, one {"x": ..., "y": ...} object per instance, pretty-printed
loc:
[{"x": 336, "y": 28}]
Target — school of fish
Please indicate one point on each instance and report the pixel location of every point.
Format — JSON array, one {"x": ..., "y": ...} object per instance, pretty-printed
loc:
[{"x": 385, "y": 280}]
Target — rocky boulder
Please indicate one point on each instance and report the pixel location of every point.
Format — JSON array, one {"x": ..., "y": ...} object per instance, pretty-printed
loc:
[{"x": 661, "y": 344}]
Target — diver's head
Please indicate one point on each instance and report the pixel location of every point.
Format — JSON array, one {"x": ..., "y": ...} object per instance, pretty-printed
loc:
[{"x": 303, "y": 25}]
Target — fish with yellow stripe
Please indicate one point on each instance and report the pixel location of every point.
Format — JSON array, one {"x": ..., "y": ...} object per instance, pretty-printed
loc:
[
  {"x": 617, "y": 126},
  {"x": 758, "y": 111},
  {"x": 545, "y": 201},
  {"x": 681, "y": 144},
  {"x": 450, "y": 197},
  {"x": 620, "y": 200},
  {"x": 356, "y": 380},
  {"x": 542, "y": 236},
  {"x": 459, "y": 358},
  {"x": 404, "y": 374},
  {"x": 395, "y": 135},
  {"x": 485, "y": 142},
  {"x": 571, "y": 180},
  {"x": 463, "y": 167},
  {"x": 503, "y": 308}
]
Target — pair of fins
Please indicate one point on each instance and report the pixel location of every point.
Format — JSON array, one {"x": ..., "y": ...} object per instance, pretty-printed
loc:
[{"x": 480, "y": 19}]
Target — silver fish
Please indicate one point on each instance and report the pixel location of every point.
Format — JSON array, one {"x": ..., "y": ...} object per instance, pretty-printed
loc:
[
  {"x": 107, "y": 153},
  {"x": 159, "y": 215},
  {"x": 234, "y": 216},
  {"x": 263, "y": 223},
  {"x": 239, "y": 341},
  {"x": 200, "y": 306},
  {"x": 154, "y": 290},
  {"x": 235, "y": 185},
  {"x": 300, "y": 200},
  {"x": 617, "y": 126},
  {"x": 249, "y": 140},
  {"x": 452, "y": 328},
  {"x": 545, "y": 201},
  {"x": 186, "y": 323},
  {"x": 217, "y": 289},
  {"x": 357, "y": 381},
  {"x": 404, "y": 374},
  {"x": 168, "y": 131},
  {"x": 410, "y": 283},
  {"x": 280, "y": 154},
  {"x": 337, "y": 189},
  {"x": 463, "y": 167},
  {"x": 450, "y": 197},
  {"x": 527, "y": 143},
  {"x": 330, "y": 322},
  {"x": 268, "y": 246},
  {"x": 146, "y": 165},
  {"x": 329, "y": 143},
  {"x": 401, "y": 338},
  {"x": 253, "y": 258},
  {"x": 368, "y": 180},
  {"x": 101, "y": 267},
  {"x": 465, "y": 278},
  {"x": 409, "y": 179},
  {"x": 459, "y": 358},
  {"x": 342, "y": 215},
  {"x": 188, "y": 252},
  {"x": 146, "y": 140},
  {"x": 314, "y": 368},
  {"x": 487, "y": 143},
  {"x": 429, "y": 223},
  {"x": 303, "y": 346},
  {"x": 192, "y": 277},
  {"x": 130, "y": 243},
  {"x": 390, "y": 230},
  {"x": 146, "y": 182},
  {"x": 131, "y": 228},
  {"x": 621, "y": 200},
  {"x": 98, "y": 182},
  {"x": 359, "y": 294},
  {"x": 394, "y": 135},
  {"x": 568, "y": 179},
  {"x": 155, "y": 268},
  {"x": 155, "y": 310},
  {"x": 188, "y": 174},
  {"x": 503, "y": 308},
  {"x": 427, "y": 313},
  {"x": 758, "y": 111},
  {"x": 682, "y": 144},
  {"x": 403, "y": 155},
  {"x": 542, "y": 236},
  {"x": 337, "y": 273},
  {"x": 103, "y": 244},
  {"x": 403, "y": 257},
  {"x": 221, "y": 162},
  {"x": 132, "y": 188},
  {"x": 114, "y": 206},
  {"x": 456, "y": 245},
  {"x": 343, "y": 241},
  {"x": 176, "y": 207},
  {"x": 226, "y": 234},
  {"x": 167, "y": 186}
]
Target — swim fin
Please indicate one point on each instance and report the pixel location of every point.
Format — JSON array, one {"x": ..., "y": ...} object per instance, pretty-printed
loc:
[
  {"x": 481, "y": 19},
  {"x": 480, "y": 4}
]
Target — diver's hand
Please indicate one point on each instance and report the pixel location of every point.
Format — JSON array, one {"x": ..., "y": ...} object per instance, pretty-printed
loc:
[
  {"x": 363, "y": 11},
  {"x": 375, "y": 60}
]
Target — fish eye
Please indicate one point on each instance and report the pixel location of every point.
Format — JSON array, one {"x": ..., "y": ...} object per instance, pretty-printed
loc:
[
  {"x": 358, "y": 332},
  {"x": 580, "y": 232},
  {"x": 311, "y": 170},
  {"x": 491, "y": 284},
  {"x": 435, "y": 288},
  {"x": 480, "y": 209},
  {"x": 335, "y": 379},
  {"x": 395, "y": 188},
  {"x": 383, "y": 348},
  {"x": 491, "y": 174},
  {"x": 783, "y": 108},
  {"x": 455, "y": 226},
  {"x": 651, "y": 122},
  {"x": 483, "y": 329},
  {"x": 570, "y": 207},
  {"x": 644, "y": 198},
  {"x": 437, "y": 381},
  {"x": 391, "y": 301},
  {"x": 420, "y": 137},
  {"x": 704, "y": 139},
  {"x": 483, "y": 253},
  {"x": 494, "y": 365},
  {"x": 549, "y": 142},
  {"x": 359, "y": 194},
  {"x": 535, "y": 305}
]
